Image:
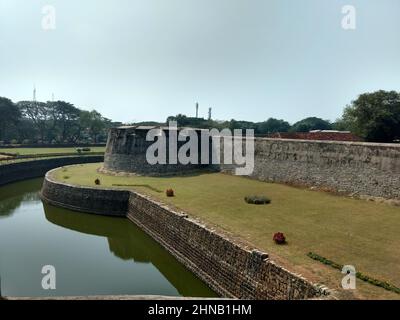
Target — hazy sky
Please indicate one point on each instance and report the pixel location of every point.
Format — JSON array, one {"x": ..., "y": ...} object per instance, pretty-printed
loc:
[{"x": 139, "y": 60}]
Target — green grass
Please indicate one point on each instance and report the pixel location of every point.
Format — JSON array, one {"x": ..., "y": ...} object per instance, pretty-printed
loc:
[
  {"x": 349, "y": 231},
  {"x": 18, "y": 160},
  {"x": 359, "y": 275},
  {"x": 35, "y": 151}
]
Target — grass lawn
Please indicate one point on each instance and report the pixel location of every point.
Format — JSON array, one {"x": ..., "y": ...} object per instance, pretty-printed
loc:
[
  {"x": 348, "y": 231},
  {"x": 34, "y": 151}
]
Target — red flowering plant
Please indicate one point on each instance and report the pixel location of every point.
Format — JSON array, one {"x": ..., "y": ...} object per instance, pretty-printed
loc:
[{"x": 279, "y": 238}]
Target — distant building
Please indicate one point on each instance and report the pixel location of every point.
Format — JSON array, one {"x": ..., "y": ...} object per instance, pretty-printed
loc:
[{"x": 329, "y": 135}]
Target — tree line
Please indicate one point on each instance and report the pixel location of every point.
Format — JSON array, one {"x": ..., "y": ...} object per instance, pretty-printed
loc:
[
  {"x": 375, "y": 117},
  {"x": 30, "y": 122},
  {"x": 271, "y": 125},
  {"x": 372, "y": 116}
]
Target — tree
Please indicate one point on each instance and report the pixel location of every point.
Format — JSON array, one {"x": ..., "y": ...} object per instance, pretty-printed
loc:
[
  {"x": 243, "y": 125},
  {"x": 26, "y": 131},
  {"x": 55, "y": 121},
  {"x": 341, "y": 125},
  {"x": 312, "y": 123},
  {"x": 184, "y": 121},
  {"x": 94, "y": 124},
  {"x": 65, "y": 120},
  {"x": 375, "y": 116},
  {"x": 38, "y": 113},
  {"x": 272, "y": 125},
  {"x": 9, "y": 116}
]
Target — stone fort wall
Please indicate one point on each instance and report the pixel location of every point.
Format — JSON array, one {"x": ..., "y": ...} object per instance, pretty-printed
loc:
[
  {"x": 231, "y": 269},
  {"x": 126, "y": 152},
  {"x": 228, "y": 267},
  {"x": 37, "y": 168},
  {"x": 354, "y": 168},
  {"x": 110, "y": 202}
]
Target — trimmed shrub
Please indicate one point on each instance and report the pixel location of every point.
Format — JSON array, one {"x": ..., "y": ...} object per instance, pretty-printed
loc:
[
  {"x": 169, "y": 193},
  {"x": 279, "y": 238},
  {"x": 257, "y": 200}
]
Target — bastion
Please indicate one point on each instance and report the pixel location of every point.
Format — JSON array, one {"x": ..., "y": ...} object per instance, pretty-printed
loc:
[
  {"x": 127, "y": 147},
  {"x": 353, "y": 168},
  {"x": 232, "y": 268}
]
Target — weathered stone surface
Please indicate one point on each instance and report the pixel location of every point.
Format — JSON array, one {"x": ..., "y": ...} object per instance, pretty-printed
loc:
[
  {"x": 354, "y": 168},
  {"x": 126, "y": 152},
  {"x": 227, "y": 267},
  {"x": 94, "y": 200},
  {"x": 37, "y": 168}
]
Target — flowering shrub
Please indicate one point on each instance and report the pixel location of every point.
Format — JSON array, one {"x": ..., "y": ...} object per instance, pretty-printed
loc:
[
  {"x": 169, "y": 193},
  {"x": 279, "y": 238}
]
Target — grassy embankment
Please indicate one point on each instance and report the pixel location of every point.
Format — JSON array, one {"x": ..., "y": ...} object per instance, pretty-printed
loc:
[
  {"x": 12, "y": 155},
  {"x": 36, "y": 151},
  {"x": 349, "y": 231}
]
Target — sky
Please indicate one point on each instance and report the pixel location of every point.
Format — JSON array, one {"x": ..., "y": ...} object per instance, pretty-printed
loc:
[{"x": 138, "y": 60}]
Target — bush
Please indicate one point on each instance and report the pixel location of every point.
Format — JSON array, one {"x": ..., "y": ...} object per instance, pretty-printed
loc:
[
  {"x": 86, "y": 149},
  {"x": 169, "y": 193},
  {"x": 257, "y": 200},
  {"x": 279, "y": 238},
  {"x": 79, "y": 150},
  {"x": 362, "y": 276},
  {"x": 97, "y": 182}
]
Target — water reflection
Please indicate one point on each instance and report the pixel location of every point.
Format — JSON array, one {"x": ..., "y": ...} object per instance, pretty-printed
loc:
[
  {"x": 11, "y": 196},
  {"x": 128, "y": 242},
  {"x": 93, "y": 255}
]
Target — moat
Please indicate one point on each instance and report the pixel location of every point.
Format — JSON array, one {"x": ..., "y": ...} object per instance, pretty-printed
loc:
[{"x": 92, "y": 255}]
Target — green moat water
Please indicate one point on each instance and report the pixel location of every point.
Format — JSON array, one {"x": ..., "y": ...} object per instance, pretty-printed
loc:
[{"x": 92, "y": 255}]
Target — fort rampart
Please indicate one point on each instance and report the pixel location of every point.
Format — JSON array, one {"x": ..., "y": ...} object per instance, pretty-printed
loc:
[
  {"x": 354, "y": 168},
  {"x": 230, "y": 268},
  {"x": 29, "y": 169}
]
